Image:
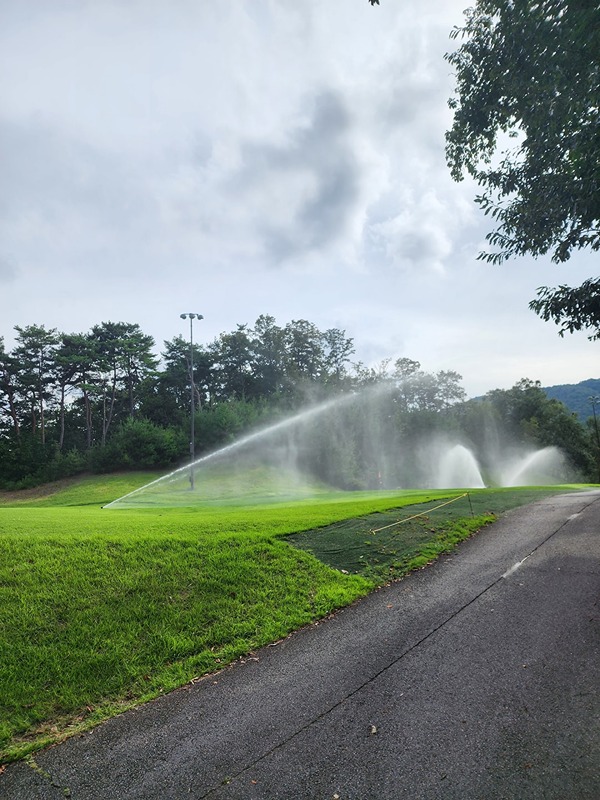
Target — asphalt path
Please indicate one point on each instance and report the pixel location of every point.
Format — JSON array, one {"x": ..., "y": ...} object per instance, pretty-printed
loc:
[{"x": 477, "y": 677}]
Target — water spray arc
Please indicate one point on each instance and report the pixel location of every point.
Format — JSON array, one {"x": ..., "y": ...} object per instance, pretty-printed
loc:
[
  {"x": 342, "y": 444},
  {"x": 263, "y": 433},
  {"x": 192, "y": 317}
]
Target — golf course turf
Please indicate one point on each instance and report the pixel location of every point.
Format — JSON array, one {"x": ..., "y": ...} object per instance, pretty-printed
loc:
[{"x": 102, "y": 609}]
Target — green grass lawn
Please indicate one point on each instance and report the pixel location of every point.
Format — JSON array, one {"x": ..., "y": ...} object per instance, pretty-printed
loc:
[{"x": 102, "y": 609}]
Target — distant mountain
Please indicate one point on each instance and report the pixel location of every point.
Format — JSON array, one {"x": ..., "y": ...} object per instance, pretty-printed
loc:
[{"x": 576, "y": 396}]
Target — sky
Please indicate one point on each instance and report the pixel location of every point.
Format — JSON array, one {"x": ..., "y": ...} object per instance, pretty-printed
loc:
[{"x": 252, "y": 157}]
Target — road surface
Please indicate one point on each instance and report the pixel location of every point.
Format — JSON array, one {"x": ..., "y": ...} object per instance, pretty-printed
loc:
[{"x": 477, "y": 677}]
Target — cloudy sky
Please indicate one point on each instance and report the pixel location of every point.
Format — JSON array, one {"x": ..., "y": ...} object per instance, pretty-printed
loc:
[{"x": 257, "y": 156}]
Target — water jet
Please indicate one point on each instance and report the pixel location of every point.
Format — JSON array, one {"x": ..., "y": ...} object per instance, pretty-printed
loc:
[{"x": 351, "y": 442}]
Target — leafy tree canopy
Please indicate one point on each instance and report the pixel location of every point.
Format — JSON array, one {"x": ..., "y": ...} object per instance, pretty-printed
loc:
[
  {"x": 526, "y": 128},
  {"x": 574, "y": 309},
  {"x": 530, "y": 69}
]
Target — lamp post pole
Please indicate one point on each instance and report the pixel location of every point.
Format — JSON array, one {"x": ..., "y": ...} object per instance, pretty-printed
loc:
[{"x": 192, "y": 402}]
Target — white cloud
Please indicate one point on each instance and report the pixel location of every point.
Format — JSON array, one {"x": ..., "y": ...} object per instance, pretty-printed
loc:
[{"x": 248, "y": 158}]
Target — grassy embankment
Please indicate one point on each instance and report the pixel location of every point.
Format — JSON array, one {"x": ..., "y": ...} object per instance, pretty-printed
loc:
[{"x": 102, "y": 609}]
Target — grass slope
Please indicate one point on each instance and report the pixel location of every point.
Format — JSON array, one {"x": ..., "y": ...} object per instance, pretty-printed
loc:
[
  {"x": 89, "y": 490},
  {"x": 103, "y": 609}
]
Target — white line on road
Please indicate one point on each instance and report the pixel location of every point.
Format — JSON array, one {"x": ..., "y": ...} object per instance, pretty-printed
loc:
[{"x": 514, "y": 567}]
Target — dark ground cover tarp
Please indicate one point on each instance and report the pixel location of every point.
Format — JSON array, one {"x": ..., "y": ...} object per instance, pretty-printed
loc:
[{"x": 385, "y": 542}]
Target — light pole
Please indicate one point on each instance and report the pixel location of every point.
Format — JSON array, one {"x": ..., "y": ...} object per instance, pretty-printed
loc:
[{"x": 192, "y": 317}]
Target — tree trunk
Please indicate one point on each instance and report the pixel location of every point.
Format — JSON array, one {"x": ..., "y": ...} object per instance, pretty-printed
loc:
[
  {"x": 42, "y": 421},
  {"x": 88, "y": 418},
  {"x": 12, "y": 410},
  {"x": 108, "y": 419},
  {"x": 61, "y": 416}
]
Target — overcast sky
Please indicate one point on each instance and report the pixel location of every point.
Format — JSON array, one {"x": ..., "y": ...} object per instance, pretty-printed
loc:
[{"x": 250, "y": 157}]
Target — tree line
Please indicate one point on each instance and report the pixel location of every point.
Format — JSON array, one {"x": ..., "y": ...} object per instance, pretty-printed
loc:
[{"x": 103, "y": 400}]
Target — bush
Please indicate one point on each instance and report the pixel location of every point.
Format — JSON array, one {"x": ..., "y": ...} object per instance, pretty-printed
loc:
[
  {"x": 29, "y": 463},
  {"x": 138, "y": 444},
  {"x": 64, "y": 465}
]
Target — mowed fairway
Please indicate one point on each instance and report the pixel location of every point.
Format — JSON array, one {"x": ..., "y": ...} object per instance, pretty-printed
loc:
[{"x": 104, "y": 608}]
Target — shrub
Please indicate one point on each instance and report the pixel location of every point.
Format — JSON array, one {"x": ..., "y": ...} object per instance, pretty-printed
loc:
[{"x": 138, "y": 444}]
